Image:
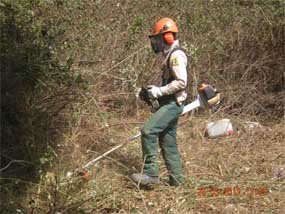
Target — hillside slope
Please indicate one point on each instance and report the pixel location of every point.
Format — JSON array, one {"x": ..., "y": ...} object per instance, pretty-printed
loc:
[{"x": 71, "y": 72}]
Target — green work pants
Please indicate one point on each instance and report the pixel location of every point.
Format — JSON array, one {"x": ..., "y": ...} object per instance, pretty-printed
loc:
[{"x": 162, "y": 125}]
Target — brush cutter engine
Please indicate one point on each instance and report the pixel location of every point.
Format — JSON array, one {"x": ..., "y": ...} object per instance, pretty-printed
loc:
[{"x": 208, "y": 97}]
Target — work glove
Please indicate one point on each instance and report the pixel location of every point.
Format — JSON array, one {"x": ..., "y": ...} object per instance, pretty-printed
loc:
[{"x": 154, "y": 92}]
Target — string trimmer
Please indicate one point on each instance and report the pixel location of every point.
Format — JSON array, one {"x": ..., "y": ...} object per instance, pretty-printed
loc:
[{"x": 207, "y": 97}]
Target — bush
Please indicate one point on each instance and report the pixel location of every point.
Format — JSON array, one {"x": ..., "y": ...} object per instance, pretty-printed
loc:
[{"x": 36, "y": 87}]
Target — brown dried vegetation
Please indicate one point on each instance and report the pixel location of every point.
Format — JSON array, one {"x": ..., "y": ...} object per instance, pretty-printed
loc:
[{"x": 103, "y": 46}]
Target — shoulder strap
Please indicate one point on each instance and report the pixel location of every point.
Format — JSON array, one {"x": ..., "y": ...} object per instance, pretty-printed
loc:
[
  {"x": 187, "y": 68},
  {"x": 172, "y": 51},
  {"x": 167, "y": 74}
]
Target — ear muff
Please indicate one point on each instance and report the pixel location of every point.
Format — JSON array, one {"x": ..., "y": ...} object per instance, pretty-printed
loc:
[{"x": 168, "y": 38}]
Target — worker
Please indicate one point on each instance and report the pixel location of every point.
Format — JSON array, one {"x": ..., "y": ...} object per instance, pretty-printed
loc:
[{"x": 171, "y": 96}]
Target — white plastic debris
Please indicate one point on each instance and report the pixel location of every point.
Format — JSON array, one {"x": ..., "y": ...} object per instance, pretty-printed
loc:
[
  {"x": 279, "y": 171},
  {"x": 68, "y": 174},
  {"x": 219, "y": 128},
  {"x": 249, "y": 125}
]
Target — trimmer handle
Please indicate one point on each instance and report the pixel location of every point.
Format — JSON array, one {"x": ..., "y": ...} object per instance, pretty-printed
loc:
[{"x": 144, "y": 96}]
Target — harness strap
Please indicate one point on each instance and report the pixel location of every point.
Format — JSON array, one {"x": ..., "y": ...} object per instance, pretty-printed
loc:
[
  {"x": 168, "y": 78},
  {"x": 172, "y": 51}
]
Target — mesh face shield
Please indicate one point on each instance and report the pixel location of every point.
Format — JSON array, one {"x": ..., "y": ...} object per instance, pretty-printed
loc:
[{"x": 157, "y": 43}]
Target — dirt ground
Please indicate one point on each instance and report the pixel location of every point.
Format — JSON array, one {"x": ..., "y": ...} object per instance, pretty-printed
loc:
[{"x": 241, "y": 173}]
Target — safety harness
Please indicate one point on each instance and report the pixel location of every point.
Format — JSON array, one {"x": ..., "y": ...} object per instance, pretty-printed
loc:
[{"x": 167, "y": 77}]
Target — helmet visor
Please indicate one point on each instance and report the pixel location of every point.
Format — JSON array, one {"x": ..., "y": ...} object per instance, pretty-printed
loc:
[{"x": 156, "y": 42}]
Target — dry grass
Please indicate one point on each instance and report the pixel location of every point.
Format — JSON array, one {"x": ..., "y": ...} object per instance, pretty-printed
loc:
[
  {"x": 107, "y": 41},
  {"x": 250, "y": 160}
]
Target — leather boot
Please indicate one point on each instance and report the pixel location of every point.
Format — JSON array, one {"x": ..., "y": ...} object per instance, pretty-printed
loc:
[{"x": 144, "y": 179}]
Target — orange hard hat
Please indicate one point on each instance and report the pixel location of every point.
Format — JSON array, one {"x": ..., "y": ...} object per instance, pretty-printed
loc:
[{"x": 164, "y": 25}]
